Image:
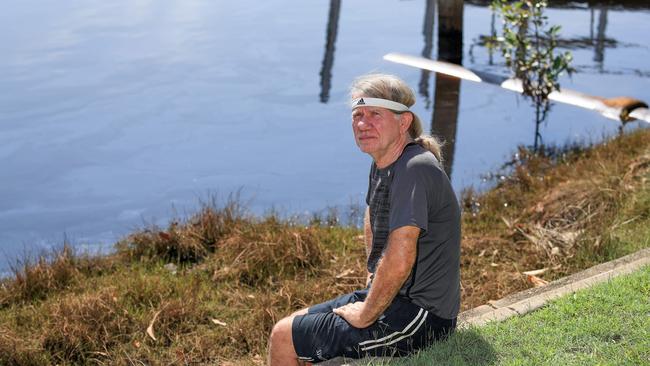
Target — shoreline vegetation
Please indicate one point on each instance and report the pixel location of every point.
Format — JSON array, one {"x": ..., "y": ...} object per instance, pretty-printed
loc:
[{"x": 208, "y": 288}]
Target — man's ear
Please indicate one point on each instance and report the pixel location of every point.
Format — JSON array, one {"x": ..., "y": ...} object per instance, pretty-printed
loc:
[{"x": 405, "y": 121}]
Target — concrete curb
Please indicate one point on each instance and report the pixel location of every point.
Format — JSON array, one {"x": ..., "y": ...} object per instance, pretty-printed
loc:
[{"x": 532, "y": 299}]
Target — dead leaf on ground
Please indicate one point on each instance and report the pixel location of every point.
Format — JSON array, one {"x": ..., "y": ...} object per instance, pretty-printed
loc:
[
  {"x": 344, "y": 273},
  {"x": 150, "y": 327},
  {"x": 535, "y": 272},
  {"x": 536, "y": 281},
  {"x": 507, "y": 222},
  {"x": 219, "y": 322}
]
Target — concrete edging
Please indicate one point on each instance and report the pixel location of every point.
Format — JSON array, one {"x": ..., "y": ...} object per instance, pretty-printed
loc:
[{"x": 526, "y": 301}]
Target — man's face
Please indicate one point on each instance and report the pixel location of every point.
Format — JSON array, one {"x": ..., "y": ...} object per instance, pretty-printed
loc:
[{"x": 375, "y": 129}]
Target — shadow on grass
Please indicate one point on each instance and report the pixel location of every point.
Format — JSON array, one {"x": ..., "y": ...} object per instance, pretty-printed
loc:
[{"x": 464, "y": 347}]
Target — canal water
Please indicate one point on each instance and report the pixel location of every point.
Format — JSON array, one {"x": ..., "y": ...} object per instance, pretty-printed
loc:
[{"x": 119, "y": 114}]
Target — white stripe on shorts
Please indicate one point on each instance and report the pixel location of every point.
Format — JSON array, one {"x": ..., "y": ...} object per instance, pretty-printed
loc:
[
  {"x": 395, "y": 334},
  {"x": 388, "y": 343}
]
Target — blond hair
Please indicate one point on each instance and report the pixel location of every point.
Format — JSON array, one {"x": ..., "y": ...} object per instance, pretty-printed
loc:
[{"x": 393, "y": 88}]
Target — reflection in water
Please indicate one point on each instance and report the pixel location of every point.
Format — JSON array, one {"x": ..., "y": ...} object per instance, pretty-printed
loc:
[
  {"x": 563, "y": 4},
  {"x": 427, "y": 31},
  {"x": 591, "y": 24},
  {"x": 447, "y": 90},
  {"x": 493, "y": 34},
  {"x": 597, "y": 40},
  {"x": 599, "y": 56},
  {"x": 328, "y": 59}
]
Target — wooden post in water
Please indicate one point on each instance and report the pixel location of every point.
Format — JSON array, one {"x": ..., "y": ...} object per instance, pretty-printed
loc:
[
  {"x": 328, "y": 59},
  {"x": 427, "y": 32},
  {"x": 450, "y": 48}
]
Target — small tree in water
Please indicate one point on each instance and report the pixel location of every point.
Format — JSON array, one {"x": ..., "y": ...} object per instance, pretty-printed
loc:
[{"x": 528, "y": 46}]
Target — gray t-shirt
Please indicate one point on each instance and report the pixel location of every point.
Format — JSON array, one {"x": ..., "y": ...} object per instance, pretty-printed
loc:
[{"x": 415, "y": 191}]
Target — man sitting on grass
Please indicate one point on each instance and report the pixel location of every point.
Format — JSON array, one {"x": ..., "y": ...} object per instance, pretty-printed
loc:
[{"x": 412, "y": 235}]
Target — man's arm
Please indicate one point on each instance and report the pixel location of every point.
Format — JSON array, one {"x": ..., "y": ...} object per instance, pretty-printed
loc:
[
  {"x": 393, "y": 269},
  {"x": 367, "y": 238}
]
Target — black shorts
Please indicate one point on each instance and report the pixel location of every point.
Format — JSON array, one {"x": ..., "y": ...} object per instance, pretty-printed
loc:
[{"x": 404, "y": 328}]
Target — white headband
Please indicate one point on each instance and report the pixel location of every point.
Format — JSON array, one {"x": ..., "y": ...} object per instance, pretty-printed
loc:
[{"x": 378, "y": 102}]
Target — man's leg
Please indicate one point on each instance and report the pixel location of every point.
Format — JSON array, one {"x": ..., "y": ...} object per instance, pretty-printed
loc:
[{"x": 281, "y": 349}]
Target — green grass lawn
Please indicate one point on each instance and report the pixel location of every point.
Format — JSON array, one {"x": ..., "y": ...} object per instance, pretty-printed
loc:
[{"x": 608, "y": 324}]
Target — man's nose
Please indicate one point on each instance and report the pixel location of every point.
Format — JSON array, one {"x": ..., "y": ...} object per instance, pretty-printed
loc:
[{"x": 362, "y": 124}]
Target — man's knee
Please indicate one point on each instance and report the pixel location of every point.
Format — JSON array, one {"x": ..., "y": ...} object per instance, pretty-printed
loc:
[
  {"x": 281, "y": 333},
  {"x": 281, "y": 349}
]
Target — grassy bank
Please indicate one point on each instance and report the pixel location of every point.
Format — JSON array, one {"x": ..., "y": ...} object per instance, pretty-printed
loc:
[
  {"x": 209, "y": 287},
  {"x": 604, "y": 325}
]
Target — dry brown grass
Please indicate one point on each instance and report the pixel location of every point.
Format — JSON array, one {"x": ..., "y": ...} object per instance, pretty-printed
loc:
[
  {"x": 35, "y": 279},
  {"x": 554, "y": 212},
  {"x": 186, "y": 242},
  {"x": 16, "y": 349},
  {"x": 256, "y": 257},
  {"x": 219, "y": 305},
  {"x": 86, "y": 327}
]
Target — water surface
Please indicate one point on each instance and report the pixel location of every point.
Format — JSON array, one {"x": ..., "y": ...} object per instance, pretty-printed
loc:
[{"x": 114, "y": 114}]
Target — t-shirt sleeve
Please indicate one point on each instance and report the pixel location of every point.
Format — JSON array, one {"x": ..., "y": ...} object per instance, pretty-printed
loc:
[{"x": 411, "y": 194}]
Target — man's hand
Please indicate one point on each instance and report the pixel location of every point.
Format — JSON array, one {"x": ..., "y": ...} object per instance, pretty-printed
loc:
[{"x": 353, "y": 313}]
